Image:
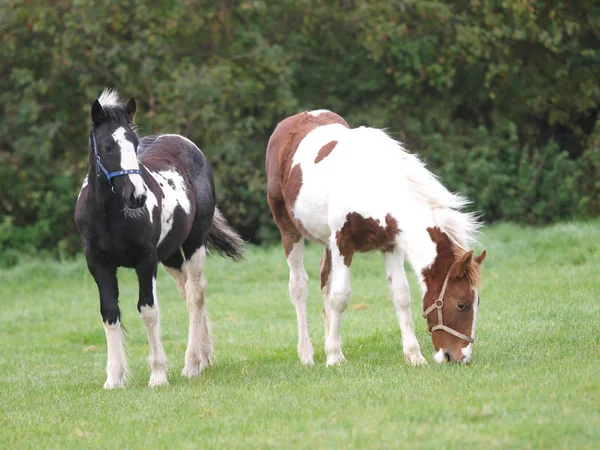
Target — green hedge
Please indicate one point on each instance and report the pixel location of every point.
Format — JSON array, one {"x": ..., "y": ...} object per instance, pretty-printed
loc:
[{"x": 500, "y": 97}]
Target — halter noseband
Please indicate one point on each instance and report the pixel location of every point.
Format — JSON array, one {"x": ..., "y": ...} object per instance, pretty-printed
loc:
[
  {"x": 110, "y": 175},
  {"x": 439, "y": 304}
]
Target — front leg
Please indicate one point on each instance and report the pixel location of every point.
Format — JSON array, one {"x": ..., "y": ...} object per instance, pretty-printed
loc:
[
  {"x": 400, "y": 293},
  {"x": 105, "y": 275},
  {"x": 150, "y": 315}
]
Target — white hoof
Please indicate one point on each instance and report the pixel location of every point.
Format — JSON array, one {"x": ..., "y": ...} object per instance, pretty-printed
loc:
[
  {"x": 191, "y": 370},
  {"x": 335, "y": 358},
  {"x": 415, "y": 359},
  {"x": 158, "y": 379},
  {"x": 306, "y": 353},
  {"x": 114, "y": 384}
]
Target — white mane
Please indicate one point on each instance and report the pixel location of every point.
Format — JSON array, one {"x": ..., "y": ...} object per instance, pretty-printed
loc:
[
  {"x": 109, "y": 97},
  {"x": 461, "y": 227}
]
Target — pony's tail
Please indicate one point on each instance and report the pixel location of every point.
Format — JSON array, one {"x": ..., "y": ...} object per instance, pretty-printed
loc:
[{"x": 224, "y": 239}]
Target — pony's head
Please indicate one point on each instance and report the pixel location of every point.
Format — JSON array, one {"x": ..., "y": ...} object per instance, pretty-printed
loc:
[
  {"x": 115, "y": 144},
  {"x": 451, "y": 300}
]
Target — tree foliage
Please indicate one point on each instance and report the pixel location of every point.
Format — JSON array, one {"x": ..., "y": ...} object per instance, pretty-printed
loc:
[{"x": 501, "y": 97}]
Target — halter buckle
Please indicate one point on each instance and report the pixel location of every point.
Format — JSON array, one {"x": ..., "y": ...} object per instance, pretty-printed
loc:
[{"x": 439, "y": 303}]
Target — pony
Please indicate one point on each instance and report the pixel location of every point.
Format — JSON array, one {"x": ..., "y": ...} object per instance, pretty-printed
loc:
[
  {"x": 147, "y": 200},
  {"x": 359, "y": 190}
]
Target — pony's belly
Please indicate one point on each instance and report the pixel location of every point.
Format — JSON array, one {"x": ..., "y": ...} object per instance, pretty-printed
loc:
[{"x": 311, "y": 213}]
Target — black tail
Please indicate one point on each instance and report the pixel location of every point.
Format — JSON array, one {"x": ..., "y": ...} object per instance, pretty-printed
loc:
[{"x": 224, "y": 239}]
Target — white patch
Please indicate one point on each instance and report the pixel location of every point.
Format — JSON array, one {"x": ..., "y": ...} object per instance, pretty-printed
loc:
[
  {"x": 158, "y": 360},
  {"x": 151, "y": 203},
  {"x": 466, "y": 351},
  {"x": 298, "y": 287},
  {"x": 109, "y": 97},
  {"x": 116, "y": 366},
  {"x": 439, "y": 356},
  {"x": 129, "y": 160},
  {"x": 175, "y": 192},
  {"x": 85, "y": 183},
  {"x": 475, "y": 308},
  {"x": 318, "y": 112}
]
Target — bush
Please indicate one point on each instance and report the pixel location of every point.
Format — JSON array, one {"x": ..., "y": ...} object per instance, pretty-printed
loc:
[{"x": 500, "y": 97}]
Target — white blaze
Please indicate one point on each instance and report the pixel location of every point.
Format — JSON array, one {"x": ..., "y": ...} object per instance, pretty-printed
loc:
[{"x": 129, "y": 160}]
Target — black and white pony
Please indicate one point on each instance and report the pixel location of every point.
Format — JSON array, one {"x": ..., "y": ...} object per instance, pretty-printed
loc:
[{"x": 149, "y": 200}]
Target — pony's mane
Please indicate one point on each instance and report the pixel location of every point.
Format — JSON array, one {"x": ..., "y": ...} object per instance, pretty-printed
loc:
[
  {"x": 113, "y": 108},
  {"x": 109, "y": 98},
  {"x": 461, "y": 227}
]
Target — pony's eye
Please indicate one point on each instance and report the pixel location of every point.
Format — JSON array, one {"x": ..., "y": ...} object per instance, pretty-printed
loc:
[{"x": 461, "y": 306}]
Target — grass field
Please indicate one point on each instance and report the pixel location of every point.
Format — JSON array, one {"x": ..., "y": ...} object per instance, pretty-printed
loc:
[{"x": 534, "y": 380}]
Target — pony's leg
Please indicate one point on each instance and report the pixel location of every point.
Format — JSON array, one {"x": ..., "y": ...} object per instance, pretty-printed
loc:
[
  {"x": 298, "y": 287},
  {"x": 105, "y": 276},
  {"x": 325, "y": 286},
  {"x": 400, "y": 293},
  {"x": 293, "y": 246},
  {"x": 174, "y": 267},
  {"x": 339, "y": 297},
  {"x": 199, "y": 350},
  {"x": 150, "y": 315}
]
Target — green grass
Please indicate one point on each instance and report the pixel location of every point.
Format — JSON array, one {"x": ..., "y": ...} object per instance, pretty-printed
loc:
[{"x": 534, "y": 380}]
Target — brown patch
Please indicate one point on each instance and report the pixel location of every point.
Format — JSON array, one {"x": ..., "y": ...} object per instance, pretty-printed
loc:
[
  {"x": 293, "y": 185},
  {"x": 325, "y": 268},
  {"x": 283, "y": 184},
  {"x": 360, "y": 306},
  {"x": 465, "y": 275},
  {"x": 361, "y": 234},
  {"x": 325, "y": 151},
  {"x": 289, "y": 233}
]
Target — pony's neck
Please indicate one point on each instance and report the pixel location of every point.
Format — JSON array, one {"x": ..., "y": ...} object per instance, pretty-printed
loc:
[{"x": 421, "y": 252}]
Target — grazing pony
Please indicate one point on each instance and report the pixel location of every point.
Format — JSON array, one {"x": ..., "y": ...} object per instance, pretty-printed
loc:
[
  {"x": 358, "y": 190},
  {"x": 147, "y": 200}
]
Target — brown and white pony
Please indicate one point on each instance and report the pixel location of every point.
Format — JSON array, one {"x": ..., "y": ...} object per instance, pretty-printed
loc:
[{"x": 358, "y": 190}]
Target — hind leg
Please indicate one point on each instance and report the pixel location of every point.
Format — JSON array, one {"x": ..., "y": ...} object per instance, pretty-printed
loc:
[
  {"x": 400, "y": 293},
  {"x": 298, "y": 287},
  {"x": 174, "y": 267},
  {"x": 325, "y": 287},
  {"x": 339, "y": 297},
  {"x": 293, "y": 246},
  {"x": 199, "y": 349}
]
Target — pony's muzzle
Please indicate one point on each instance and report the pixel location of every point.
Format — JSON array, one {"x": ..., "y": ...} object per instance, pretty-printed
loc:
[{"x": 136, "y": 201}]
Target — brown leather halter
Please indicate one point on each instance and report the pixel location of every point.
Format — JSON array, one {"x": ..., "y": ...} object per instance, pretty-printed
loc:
[{"x": 439, "y": 304}]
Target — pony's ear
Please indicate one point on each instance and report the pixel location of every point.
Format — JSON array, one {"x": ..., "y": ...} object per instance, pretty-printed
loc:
[
  {"x": 130, "y": 108},
  {"x": 460, "y": 268},
  {"x": 479, "y": 259},
  {"x": 97, "y": 113}
]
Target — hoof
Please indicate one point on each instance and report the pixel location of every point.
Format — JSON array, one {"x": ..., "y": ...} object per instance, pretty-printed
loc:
[
  {"x": 415, "y": 359},
  {"x": 158, "y": 379},
  {"x": 335, "y": 359},
  {"x": 305, "y": 353},
  {"x": 191, "y": 371},
  {"x": 114, "y": 384}
]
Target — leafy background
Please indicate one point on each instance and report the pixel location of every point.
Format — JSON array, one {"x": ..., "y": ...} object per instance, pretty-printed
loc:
[{"x": 500, "y": 97}]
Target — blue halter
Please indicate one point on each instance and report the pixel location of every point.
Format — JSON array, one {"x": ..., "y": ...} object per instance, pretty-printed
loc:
[{"x": 110, "y": 175}]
